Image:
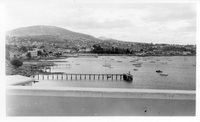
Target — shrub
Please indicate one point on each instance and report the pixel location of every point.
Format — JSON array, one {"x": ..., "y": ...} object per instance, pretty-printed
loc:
[
  {"x": 28, "y": 55},
  {"x": 39, "y": 53},
  {"x": 16, "y": 63},
  {"x": 23, "y": 49}
]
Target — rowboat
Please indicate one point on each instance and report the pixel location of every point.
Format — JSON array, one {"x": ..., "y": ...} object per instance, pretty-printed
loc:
[{"x": 163, "y": 74}]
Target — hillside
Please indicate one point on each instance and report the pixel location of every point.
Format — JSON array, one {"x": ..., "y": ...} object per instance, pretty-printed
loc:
[
  {"x": 53, "y": 38},
  {"x": 47, "y": 34},
  {"x": 44, "y": 35}
]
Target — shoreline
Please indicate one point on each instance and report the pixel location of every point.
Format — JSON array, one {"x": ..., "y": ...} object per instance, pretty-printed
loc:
[
  {"x": 102, "y": 92},
  {"x": 64, "y": 57}
]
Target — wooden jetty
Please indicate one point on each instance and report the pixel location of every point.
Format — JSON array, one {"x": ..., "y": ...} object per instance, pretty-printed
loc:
[
  {"x": 88, "y": 55},
  {"x": 60, "y": 66},
  {"x": 63, "y": 76}
]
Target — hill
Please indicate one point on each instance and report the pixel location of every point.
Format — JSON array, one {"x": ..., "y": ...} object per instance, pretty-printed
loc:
[
  {"x": 54, "y": 38},
  {"x": 47, "y": 34}
]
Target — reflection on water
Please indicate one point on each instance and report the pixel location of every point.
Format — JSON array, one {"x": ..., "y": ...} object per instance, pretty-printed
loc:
[{"x": 180, "y": 70}]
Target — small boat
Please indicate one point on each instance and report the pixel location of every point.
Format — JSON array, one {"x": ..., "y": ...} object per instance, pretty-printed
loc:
[
  {"x": 159, "y": 71},
  {"x": 136, "y": 64},
  {"x": 109, "y": 76},
  {"x": 152, "y": 62},
  {"x": 135, "y": 69},
  {"x": 139, "y": 65},
  {"x": 164, "y": 63},
  {"x": 35, "y": 81},
  {"x": 132, "y": 61},
  {"x": 128, "y": 77},
  {"x": 163, "y": 74},
  {"x": 107, "y": 65}
]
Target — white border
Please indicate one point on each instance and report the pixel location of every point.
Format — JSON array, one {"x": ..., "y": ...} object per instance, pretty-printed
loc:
[{"x": 96, "y": 119}]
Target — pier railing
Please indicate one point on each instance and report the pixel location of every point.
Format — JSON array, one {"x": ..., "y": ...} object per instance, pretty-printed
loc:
[{"x": 58, "y": 76}]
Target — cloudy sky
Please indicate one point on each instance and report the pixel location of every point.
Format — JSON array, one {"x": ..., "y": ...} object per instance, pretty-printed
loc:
[{"x": 124, "y": 20}]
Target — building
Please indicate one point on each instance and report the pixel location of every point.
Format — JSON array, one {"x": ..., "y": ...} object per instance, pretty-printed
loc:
[
  {"x": 85, "y": 50},
  {"x": 186, "y": 52},
  {"x": 88, "y": 49},
  {"x": 67, "y": 50},
  {"x": 33, "y": 53}
]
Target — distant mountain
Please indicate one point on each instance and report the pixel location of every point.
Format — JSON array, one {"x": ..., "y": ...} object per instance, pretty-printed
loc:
[
  {"x": 51, "y": 38},
  {"x": 47, "y": 33}
]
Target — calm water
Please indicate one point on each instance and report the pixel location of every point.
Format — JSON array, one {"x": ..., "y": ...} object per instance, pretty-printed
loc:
[{"x": 181, "y": 71}]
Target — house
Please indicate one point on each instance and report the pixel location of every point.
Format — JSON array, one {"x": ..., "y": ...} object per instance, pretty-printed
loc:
[
  {"x": 88, "y": 49},
  {"x": 85, "y": 50},
  {"x": 34, "y": 53},
  {"x": 186, "y": 52},
  {"x": 81, "y": 50},
  {"x": 67, "y": 50},
  {"x": 13, "y": 55}
]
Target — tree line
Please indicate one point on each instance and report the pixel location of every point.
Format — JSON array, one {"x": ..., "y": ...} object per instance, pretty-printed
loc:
[{"x": 113, "y": 50}]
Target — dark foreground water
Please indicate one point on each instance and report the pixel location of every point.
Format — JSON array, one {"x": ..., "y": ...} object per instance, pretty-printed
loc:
[{"x": 90, "y": 106}]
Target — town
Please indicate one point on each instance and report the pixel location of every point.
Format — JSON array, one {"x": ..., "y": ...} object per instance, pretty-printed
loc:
[{"x": 49, "y": 51}]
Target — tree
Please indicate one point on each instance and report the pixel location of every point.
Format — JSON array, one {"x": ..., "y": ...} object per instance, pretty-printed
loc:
[
  {"x": 23, "y": 49},
  {"x": 34, "y": 46},
  {"x": 39, "y": 53},
  {"x": 127, "y": 51},
  {"x": 16, "y": 63},
  {"x": 98, "y": 49},
  {"x": 116, "y": 50},
  {"x": 58, "y": 54},
  {"x": 41, "y": 47},
  {"x": 28, "y": 55}
]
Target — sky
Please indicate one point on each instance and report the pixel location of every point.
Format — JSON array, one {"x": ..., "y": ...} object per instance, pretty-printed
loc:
[{"x": 151, "y": 22}]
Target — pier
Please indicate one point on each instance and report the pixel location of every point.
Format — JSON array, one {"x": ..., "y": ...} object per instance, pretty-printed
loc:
[
  {"x": 58, "y": 66},
  {"x": 60, "y": 76},
  {"x": 88, "y": 55}
]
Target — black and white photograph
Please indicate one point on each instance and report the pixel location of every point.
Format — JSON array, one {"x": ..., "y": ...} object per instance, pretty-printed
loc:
[{"x": 98, "y": 58}]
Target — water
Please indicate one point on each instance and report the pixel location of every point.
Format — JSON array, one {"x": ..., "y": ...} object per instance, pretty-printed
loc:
[
  {"x": 25, "y": 105},
  {"x": 181, "y": 71}
]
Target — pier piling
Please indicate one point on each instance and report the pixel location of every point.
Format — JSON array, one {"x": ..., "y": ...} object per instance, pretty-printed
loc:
[{"x": 59, "y": 76}]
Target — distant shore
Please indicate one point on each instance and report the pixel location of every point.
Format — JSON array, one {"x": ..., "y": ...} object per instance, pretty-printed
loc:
[
  {"x": 139, "y": 55},
  {"x": 96, "y": 55}
]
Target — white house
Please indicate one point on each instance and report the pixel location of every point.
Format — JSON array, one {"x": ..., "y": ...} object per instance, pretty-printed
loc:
[
  {"x": 186, "y": 52},
  {"x": 34, "y": 52}
]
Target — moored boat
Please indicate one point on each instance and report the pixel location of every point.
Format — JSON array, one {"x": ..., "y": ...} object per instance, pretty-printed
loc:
[
  {"x": 163, "y": 74},
  {"x": 159, "y": 71},
  {"x": 135, "y": 69},
  {"x": 128, "y": 77}
]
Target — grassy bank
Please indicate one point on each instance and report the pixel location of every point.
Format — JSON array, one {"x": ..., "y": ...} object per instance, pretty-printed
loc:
[{"x": 28, "y": 68}]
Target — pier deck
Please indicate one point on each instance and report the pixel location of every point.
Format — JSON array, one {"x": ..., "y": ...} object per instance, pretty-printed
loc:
[{"x": 63, "y": 76}]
